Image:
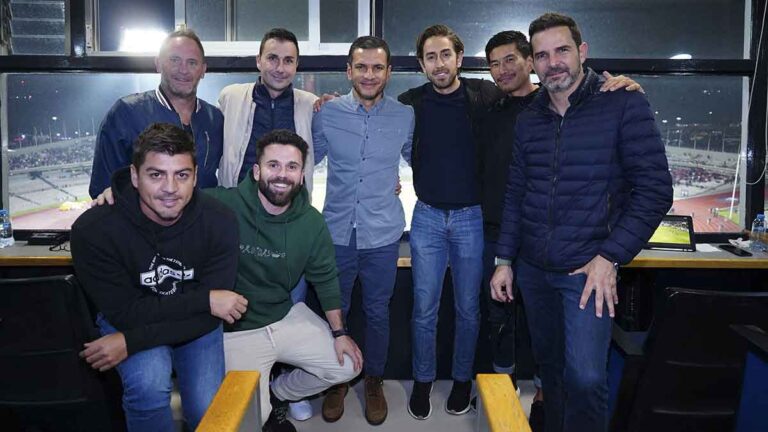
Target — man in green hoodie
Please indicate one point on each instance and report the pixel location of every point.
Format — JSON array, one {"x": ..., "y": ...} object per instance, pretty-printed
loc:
[{"x": 282, "y": 237}]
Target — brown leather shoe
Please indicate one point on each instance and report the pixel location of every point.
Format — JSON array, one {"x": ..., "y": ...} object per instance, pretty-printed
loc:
[
  {"x": 375, "y": 402},
  {"x": 333, "y": 405}
]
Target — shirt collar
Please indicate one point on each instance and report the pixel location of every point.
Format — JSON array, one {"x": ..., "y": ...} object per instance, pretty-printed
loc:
[
  {"x": 356, "y": 105},
  {"x": 164, "y": 101}
]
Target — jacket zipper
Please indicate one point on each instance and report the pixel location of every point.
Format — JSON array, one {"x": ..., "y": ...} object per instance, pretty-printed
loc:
[
  {"x": 550, "y": 209},
  {"x": 272, "y": 115},
  {"x": 207, "y": 148}
]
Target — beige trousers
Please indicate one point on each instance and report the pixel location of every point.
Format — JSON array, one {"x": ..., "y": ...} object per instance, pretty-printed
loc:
[{"x": 301, "y": 339}]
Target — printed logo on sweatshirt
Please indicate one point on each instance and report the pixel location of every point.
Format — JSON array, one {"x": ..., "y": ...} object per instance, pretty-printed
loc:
[
  {"x": 163, "y": 276},
  {"x": 260, "y": 252}
]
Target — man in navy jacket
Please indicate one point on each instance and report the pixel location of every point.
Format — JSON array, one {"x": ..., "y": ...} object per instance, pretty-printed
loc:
[
  {"x": 181, "y": 65},
  {"x": 587, "y": 186}
]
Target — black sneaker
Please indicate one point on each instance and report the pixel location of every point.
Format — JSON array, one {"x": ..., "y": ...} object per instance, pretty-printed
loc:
[
  {"x": 458, "y": 401},
  {"x": 536, "y": 419},
  {"x": 278, "y": 418},
  {"x": 419, "y": 406}
]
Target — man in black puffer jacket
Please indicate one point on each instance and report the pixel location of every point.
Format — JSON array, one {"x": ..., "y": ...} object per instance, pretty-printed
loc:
[{"x": 588, "y": 185}]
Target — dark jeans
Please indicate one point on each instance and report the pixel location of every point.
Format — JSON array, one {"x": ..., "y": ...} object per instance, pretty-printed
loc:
[
  {"x": 570, "y": 346},
  {"x": 147, "y": 385},
  {"x": 501, "y": 318},
  {"x": 377, "y": 270}
]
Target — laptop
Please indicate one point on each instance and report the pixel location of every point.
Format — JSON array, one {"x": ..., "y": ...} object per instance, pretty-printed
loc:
[{"x": 674, "y": 233}]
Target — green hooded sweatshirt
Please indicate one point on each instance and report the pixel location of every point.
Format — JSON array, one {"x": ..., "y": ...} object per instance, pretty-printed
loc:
[{"x": 275, "y": 251}]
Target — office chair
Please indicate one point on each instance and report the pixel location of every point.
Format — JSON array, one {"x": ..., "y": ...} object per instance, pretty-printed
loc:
[
  {"x": 44, "y": 385},
  {"x": 687, "y": 375}
]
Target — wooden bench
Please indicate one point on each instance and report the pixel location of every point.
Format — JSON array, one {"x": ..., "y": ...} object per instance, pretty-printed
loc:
[
  {"x": 498, "y": 408},
  {"x": 236, "y": 406}
]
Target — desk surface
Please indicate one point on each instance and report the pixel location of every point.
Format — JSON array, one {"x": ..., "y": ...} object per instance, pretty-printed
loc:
[{"x": 23, "y": 255}]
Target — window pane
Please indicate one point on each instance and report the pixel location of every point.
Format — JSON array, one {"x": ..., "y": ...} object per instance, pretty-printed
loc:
[
  {"x": 52, "y": 119},
  {"x": 208, "y": 18},
  {"x": 338, "y": 21},
  {"x": 37, "y": 27},
  {"x": 134, "y": 25},
  {"x": 700, "y": 122},
  {"x": 254, "y": 18},
  {"x": 613, "y": 29}
]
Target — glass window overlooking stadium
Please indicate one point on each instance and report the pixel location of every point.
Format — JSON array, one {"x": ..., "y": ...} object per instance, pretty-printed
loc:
[{"x": 53, "y": 119}]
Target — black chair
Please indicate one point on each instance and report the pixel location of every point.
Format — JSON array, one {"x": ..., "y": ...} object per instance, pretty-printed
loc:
[
  {"x": 687, "y": 375},
  {"x": 44, "y": 385}
]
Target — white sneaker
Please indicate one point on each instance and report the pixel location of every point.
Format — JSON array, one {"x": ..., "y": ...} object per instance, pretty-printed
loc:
[{"x": 300, "y": 410}]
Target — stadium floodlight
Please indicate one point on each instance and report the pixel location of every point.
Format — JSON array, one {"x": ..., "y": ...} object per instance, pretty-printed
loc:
[{"x": 142, "y": 40}]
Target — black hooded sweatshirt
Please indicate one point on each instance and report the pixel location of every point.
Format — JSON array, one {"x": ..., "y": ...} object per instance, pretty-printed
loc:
[{"x": 152, "y": 282}]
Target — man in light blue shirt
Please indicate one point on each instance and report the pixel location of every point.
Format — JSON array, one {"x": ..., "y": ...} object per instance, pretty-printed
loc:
[{"x": 364, "y": 133}]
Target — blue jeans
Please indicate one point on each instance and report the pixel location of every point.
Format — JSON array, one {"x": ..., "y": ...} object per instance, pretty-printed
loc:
[
  {"x": 146, "y": 377},
  {"x": 570, "y": 347},
  {"x": 377, "y": 269},
  {"x": 440, "y": 237}
]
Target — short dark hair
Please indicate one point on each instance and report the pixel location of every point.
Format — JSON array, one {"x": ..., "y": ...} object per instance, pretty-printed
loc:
[
  {"x": 279, "y": 34},
  {"x": 185, "y": 33},
  {"x": 550, "y": 20},
  {"x": 438, "y": 30},
  {"x": 368, "y": 42},
  {"x": 284, "y": 137},
  {"x": 505, "y": 38},
  {"x": 162, "y": 138}
]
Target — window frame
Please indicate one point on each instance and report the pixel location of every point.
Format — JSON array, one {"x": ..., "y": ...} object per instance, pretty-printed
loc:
[{"x": 753, "y": 153}]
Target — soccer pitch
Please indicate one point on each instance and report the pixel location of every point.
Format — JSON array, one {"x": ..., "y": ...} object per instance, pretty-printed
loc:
[{"x": 670, "y": 234}]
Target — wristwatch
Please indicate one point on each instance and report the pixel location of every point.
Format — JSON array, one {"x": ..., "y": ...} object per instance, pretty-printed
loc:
[
  {"x": 501, "y": 261},
  {"x": 339, "y": 333}
]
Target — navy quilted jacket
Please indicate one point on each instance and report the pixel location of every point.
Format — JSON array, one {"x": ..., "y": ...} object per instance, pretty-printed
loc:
[{"x": 594, "y": 181}]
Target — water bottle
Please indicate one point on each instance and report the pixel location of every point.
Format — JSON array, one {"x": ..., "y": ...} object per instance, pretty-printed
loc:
[
  {"x": 6, "y": 231},
  {"x": 757, "y": 235}
]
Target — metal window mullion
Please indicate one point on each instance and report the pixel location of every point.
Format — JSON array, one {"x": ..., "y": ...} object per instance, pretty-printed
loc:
[
  {"x": 229, "y": 20},
  {"x": 179, "y": 14},
  {"x": 313, "y": 26},
  {"x": 4, "y": 138}
]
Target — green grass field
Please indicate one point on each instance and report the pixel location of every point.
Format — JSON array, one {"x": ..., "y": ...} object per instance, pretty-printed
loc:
[
  {"x": 723, "y": 212},
  {"x": 670, "y": 234}
]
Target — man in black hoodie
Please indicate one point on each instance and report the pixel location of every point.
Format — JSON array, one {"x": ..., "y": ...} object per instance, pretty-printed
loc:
[{"x": 160, "y": 266}]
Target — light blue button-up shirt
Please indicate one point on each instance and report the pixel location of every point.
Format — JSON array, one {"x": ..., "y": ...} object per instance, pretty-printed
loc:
[{"x": 363, "y": 149}]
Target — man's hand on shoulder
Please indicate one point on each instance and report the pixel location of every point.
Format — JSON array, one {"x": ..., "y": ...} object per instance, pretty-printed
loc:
[
  {"x": 105, "y": 352},
  {"x": 613, "y": 83},
  {"x": 601, "y": 278},
  {"x": 105, "y": 197},
  {"x": 227, "y": 305},
  {"x": 322, "y": 100},
  {"x": 345, "y": 345}
]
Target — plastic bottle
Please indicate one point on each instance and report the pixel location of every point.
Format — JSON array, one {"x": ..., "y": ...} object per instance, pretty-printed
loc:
[
  {"x": 757, "y": 235},
  {"x": 6, "y": 230}
]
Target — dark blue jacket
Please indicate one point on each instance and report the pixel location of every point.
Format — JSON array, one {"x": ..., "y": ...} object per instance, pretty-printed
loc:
[
  {"x": 594, "y": 181},
  {"x": 130, "y": 115}
]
